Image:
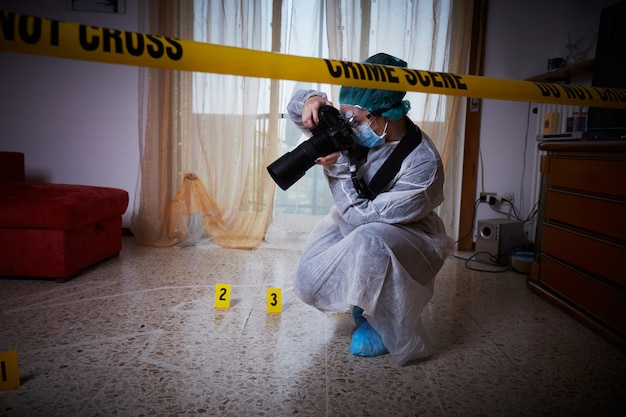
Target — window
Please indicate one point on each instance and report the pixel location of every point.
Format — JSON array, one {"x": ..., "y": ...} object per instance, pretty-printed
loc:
[{"x": 411, "y": 31}]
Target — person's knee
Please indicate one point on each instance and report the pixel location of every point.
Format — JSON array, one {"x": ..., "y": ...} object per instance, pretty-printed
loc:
[{"x": 370, "y": 239}]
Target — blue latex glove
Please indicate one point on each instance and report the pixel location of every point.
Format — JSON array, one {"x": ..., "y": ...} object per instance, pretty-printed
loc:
[{"x": 367, "y": 342}]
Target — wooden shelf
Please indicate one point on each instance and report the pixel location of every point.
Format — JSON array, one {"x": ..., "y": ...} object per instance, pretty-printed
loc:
[{"x": 566, "y": 73}]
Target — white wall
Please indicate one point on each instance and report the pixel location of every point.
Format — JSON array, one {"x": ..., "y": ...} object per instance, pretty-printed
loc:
[
  {"x": 521, "y": 36},
  {"x": 76, "y": 121}
]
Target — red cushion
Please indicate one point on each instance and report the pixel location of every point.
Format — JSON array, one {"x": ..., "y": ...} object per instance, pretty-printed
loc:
[{"x": 57, "y": 206}]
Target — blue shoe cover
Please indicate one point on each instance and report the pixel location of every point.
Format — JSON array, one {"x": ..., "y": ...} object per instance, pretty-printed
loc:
[
  {"x": 357, "y": 314},
  {"x": 367, "y": 342}
]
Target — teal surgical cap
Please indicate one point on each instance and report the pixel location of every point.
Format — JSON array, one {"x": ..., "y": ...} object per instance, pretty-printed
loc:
[{"x": 386, "y": 103}]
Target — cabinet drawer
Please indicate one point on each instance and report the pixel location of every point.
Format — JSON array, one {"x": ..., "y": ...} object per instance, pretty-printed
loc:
[
  {"x": 595, "y": 256},
  {"x": 593, "y": 175},
  {"x": 604, "y": 303},
  {"x": 602, "y": 216}
]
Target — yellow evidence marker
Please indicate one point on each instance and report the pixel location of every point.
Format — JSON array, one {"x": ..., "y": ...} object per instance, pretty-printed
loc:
[
  {"x": 222, "y": 295},
  {"x": 9, "y": 376},
  {"x": 274, "y": 300}
]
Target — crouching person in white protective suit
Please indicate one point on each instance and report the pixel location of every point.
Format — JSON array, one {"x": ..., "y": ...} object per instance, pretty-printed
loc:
[{"x": 378, "y": 254}]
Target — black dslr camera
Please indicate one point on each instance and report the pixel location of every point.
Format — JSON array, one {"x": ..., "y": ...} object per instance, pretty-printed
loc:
[{"x": 332, "y": 134}]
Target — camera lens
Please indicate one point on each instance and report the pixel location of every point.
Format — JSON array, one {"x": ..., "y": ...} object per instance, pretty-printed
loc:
[
  {"x": 332, "y": 135},
  {"x": 292, "y": 166}
]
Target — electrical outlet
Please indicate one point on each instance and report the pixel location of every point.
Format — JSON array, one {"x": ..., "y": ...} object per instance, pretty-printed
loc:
[
  {"x": 496, "y": 198},
  {"x": 505, "y": 196},
  {"x": 485, "y": 196}
]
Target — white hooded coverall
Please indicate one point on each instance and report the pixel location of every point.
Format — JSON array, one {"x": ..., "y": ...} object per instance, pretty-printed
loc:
[{"x": 381, "y": 255}]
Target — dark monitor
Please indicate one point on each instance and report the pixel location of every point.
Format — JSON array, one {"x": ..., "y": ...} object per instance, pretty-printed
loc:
[{"x": 609, "y": 69}]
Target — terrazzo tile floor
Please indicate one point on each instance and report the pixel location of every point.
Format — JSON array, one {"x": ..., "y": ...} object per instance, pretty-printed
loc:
[{"x": 139, "y": 335}]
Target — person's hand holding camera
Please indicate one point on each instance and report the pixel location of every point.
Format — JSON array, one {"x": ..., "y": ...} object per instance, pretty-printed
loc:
[
  {"x": 328, "y": 159},
  {"x": 310, "y": 120}
]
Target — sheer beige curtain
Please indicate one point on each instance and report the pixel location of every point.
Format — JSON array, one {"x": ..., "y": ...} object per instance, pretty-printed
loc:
[{"x": 208, "y": 137}]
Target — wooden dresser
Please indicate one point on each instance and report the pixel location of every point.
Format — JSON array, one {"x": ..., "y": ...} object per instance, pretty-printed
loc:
[{"x": 580, "y": 263}]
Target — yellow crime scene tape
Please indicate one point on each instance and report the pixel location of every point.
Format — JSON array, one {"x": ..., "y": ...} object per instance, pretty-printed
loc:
[{"x": 39, "y": 36}]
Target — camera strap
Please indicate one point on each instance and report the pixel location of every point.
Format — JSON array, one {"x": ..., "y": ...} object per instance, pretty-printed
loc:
[{"x": 388, "y": 169}]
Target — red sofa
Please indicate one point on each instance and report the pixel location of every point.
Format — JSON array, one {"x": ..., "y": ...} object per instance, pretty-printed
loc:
[{"x": 55, "y": 230}]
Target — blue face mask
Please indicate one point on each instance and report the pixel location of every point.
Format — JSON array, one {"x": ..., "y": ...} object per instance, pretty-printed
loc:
[{"x": 365, "y": 136}]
